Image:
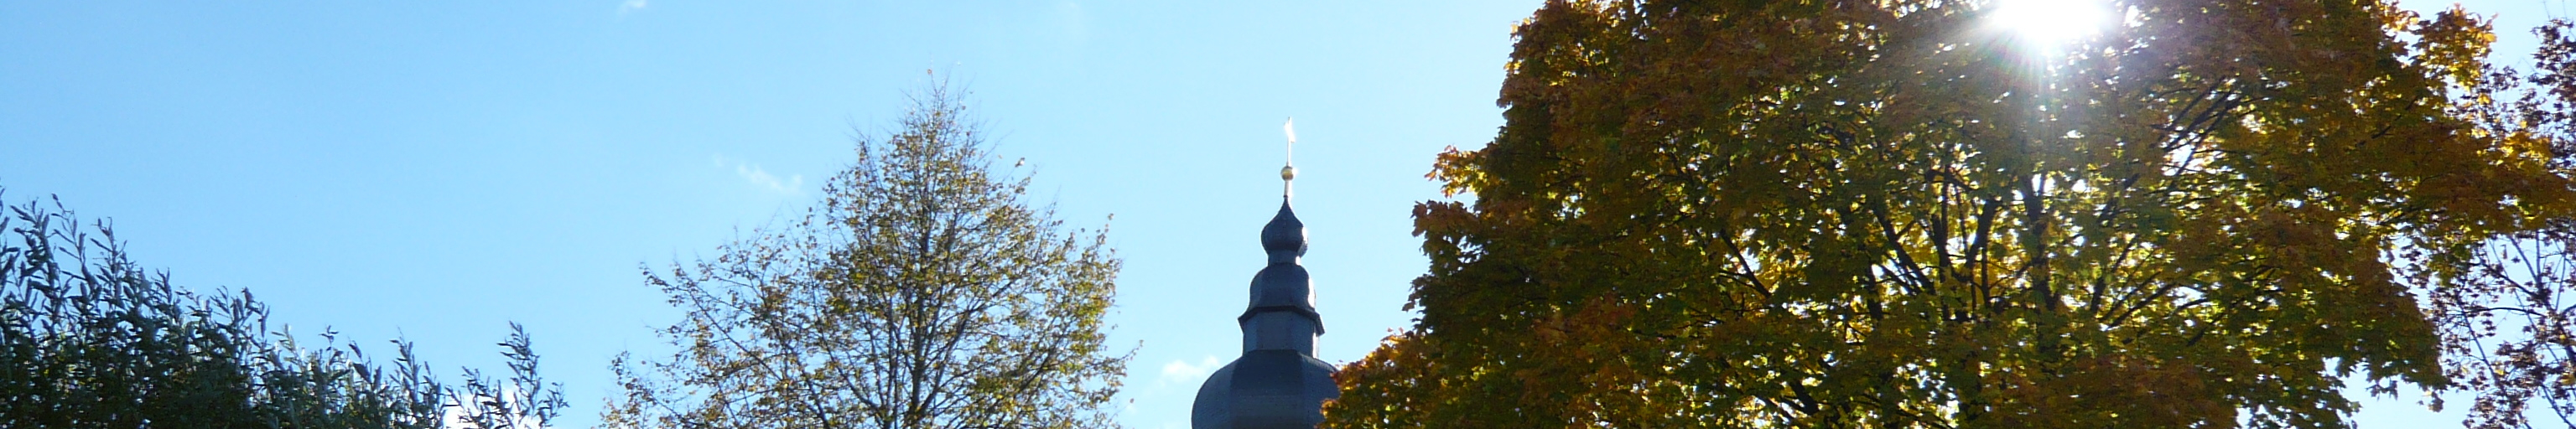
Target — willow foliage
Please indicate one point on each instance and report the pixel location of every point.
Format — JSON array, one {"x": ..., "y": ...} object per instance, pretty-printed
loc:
[{"x": 91, "y": 339}]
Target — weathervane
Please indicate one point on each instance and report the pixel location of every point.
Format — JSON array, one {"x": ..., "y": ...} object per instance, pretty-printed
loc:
[{"x": 1288, "y": 172}]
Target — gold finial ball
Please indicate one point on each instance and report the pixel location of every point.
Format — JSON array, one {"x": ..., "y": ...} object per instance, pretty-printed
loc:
[{"x": 1288, "y": 173}]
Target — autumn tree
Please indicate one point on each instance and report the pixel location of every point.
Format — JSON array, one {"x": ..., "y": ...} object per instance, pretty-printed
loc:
[
  {"x": 923, "y": 292},
  {"x": 2506, "y": 310},
  {"x": 89, "y": 338},
  {"x": 2508, "y": 319},
  {"x": 1892, "y": 214}
]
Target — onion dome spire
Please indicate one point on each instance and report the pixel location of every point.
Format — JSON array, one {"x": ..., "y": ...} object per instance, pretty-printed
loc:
[
  {"x": 1277, "y": 383},
  {"x": 1283, "y": 286}
]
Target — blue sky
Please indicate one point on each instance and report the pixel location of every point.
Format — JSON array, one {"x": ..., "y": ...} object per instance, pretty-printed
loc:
[{"x": 432, "y": 170}]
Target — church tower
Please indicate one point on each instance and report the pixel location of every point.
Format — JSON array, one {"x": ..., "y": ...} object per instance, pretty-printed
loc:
[{"x": 1278, "y": 383}]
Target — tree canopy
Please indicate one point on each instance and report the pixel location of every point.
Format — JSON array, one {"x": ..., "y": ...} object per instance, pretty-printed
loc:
[
  {"x": 1890, "y": 214},
  {"x": 2504, "y": 309},
  {"x": 89, "y": 338},
  {"x": 923, "y": 292}
]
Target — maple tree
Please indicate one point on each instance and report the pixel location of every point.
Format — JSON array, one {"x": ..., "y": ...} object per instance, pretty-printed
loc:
[
  {"x": 1890, "y": 214},
  {"x": 2503, "y": 309}
]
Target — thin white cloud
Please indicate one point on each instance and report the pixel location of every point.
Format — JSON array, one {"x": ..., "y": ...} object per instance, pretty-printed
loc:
[
  {"x": 1182, "y": 371},
  {"x": 794, "y": 184},
  {"x": 631, "y": 6}
]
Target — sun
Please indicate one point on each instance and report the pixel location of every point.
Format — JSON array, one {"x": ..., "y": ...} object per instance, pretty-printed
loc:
[{"x": 2045, "y": 25}]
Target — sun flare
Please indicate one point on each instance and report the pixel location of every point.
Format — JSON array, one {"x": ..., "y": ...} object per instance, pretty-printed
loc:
[{"x": 2044, "y": 25}]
